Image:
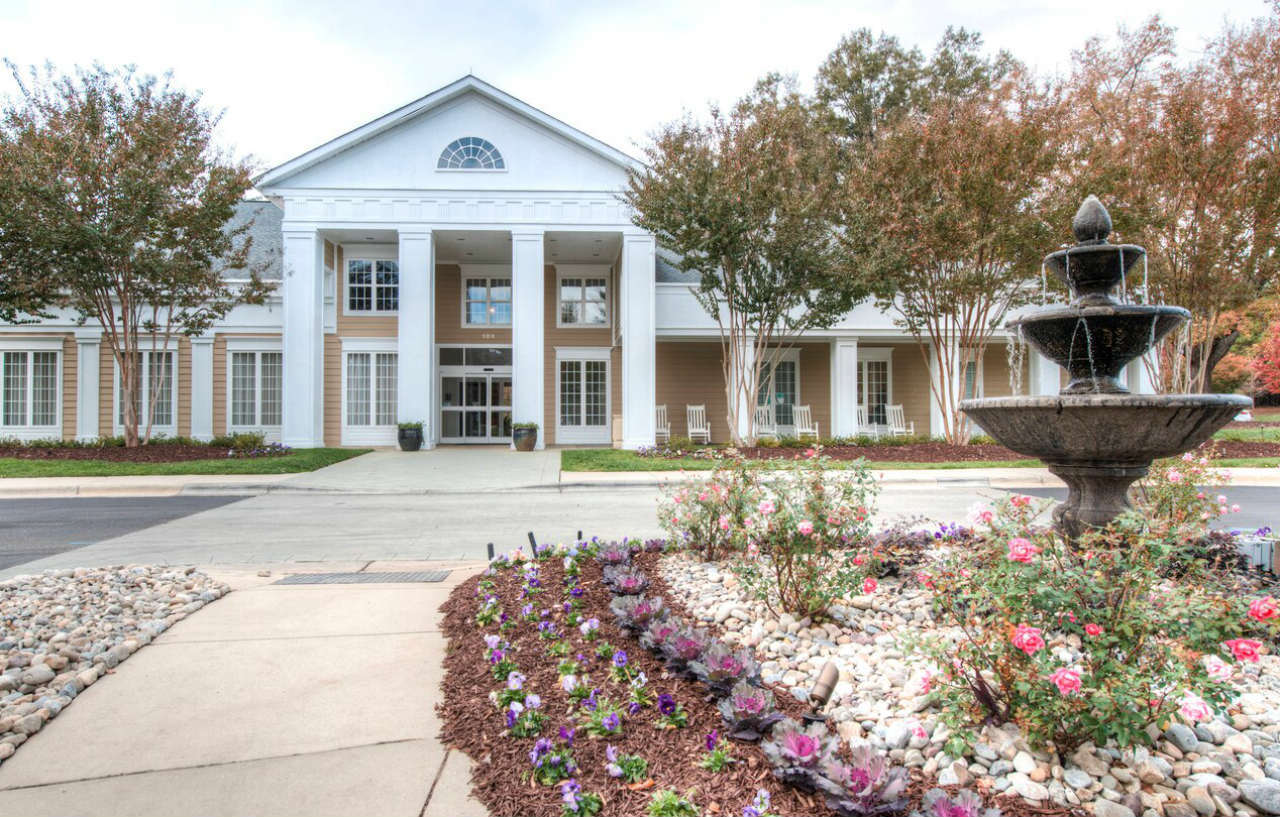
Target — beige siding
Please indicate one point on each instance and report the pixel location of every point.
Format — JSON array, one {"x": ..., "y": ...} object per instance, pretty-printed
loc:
[
  {"x": 815, "y": 382},
  {"x": 691, "y": 373},
  {"x": 449, "y": 326},
  {"x": 70, "y": 365},
  {"x": 910, "y": 383},
  {"x": 107, "y": 386},
  {"x": 106, "y": 389},
  {"x": 220, "y": 365},
  {"x": 995, "y": 372},
  {"x": 553, "y": 337},
  {"x": 332, "y": 390}
]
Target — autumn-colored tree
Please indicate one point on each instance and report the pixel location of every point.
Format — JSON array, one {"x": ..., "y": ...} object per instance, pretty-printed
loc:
[
  {"x": 1188, "y": 156},
  {"x": 946, "y": 207},
  {"x": 114, "y": 204},
  {"x": 746, "y": 199},
  {"x": 1266, "y": 361}
]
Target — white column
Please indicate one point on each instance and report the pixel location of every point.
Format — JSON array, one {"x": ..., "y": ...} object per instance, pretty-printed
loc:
[
  {"x": 951, "y": 354},
  {"x": 88, "y": 347},
  {"x": 528, "y": 359},
  {"x": 844, "y": 387},
  {"x": 416, "y": 369},
  {"x": 303, "y": 345},
  {"x": 1044, "y": 375},
  {"x": 1136, "y": 377},
  {"x": 747, "y": 354},
  {"x": 202, "y": 388},
  {"x": 639, "y": 257}
]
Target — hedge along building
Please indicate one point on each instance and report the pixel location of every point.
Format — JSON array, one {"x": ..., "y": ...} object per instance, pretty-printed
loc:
[{"x": 465, "y": 261}]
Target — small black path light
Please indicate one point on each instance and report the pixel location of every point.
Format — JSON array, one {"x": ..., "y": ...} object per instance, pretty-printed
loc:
[{"x": 820, "y": 694}]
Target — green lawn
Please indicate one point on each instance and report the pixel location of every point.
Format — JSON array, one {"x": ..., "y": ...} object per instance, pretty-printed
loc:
[
  {"x": 613, "y": 459},
  {"x": 305, "y": 459},
  {"x": 1260, "y": 434}
]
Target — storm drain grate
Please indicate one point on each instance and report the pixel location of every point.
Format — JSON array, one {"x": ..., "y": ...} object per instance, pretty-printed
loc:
[{"x": 365, "y": 578}]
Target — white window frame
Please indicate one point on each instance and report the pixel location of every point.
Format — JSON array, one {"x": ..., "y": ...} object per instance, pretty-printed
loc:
[
  {"x": 27, "y": 433},
  {"x": 489, "y": 275},
  {"x": 878, "y": 355},
  {"x": 146, "y": 348},
  {"x": 256, "y": 347},
  {"x": 792, "y": 356},
  {"x": 586, "y": 435},
  {"x": 567, "y": 271},
  {"x": 370, "y": 434},
  {"x": 371, "y": 253}
]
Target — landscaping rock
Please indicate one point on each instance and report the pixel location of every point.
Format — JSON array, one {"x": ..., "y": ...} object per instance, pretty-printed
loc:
[
  {"x": 1106, "y": 808},
  {"x": 1263, "y": 795}
]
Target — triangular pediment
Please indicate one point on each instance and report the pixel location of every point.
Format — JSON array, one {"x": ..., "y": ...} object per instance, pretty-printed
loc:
[{"x": 402, "y": 150}]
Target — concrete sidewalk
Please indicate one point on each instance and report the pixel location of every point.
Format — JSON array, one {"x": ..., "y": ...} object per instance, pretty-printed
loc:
[
  {"x": 37, "y": 487},
  {"x": 275, "y": 700}
]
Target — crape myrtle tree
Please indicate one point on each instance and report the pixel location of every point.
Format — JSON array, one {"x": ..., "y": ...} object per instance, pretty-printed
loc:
[
  {"x": 114, "y": 205},
  {"x": 746, "y": 199},
  {"x": 1189, "y": 156},
  {"x": 945, "y": 180}
]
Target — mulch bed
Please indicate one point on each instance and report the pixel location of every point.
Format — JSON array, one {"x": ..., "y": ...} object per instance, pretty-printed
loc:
[
  {"x": 153, "y": 452},
  {"x": 945, "y": 452},
  {"x": 500, "y": 773}
]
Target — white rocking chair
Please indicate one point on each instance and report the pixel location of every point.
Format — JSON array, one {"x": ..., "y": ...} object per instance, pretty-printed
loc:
[
  {"x": 805, "y": 426},
  {"x": 699, "y": 426},
  {"x": 865, "y": 428},
  {"x": 662, "y": 426},
  {"x": 766, "y": 425},
  {"x": 898, "y": 425}
]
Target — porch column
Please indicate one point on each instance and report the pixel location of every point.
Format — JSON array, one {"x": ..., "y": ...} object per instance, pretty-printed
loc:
[
  {"x": 1136, "y": 377},
  {"x": 202, "y": 388},
  {"x": 844, "y": 387},
  {"x": 415, "y": 345},
  {"x": 1043, "y": 374},
  {"x": 88, "y": 347},
  {"x": 303, "y": 341},
  {"x": 639, "y": 325},
  {"x": 745, "y": 409},
  {"x": 528, "y": 346}
]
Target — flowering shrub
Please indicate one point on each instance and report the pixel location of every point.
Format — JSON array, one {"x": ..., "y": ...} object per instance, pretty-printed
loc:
[
  {"x": 749, "y": 711},
  {"x": 806, "y": 537},
  {"x": 708, "y": 516},
  {"x": 1175, "y": 492},
  {"x": 868, "y": 784},
  {"x": 1073, "y": 641},
  {"x": 799, "y": 753}
]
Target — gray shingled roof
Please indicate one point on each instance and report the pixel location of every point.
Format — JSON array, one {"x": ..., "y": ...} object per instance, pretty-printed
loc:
[
  {"x": 667, "y": 269},
  {"x": 266, "y": 250}
]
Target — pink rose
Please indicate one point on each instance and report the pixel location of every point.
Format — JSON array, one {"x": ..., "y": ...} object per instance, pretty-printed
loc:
[
  {"x": 869, "y": 586},
  {"x": 1174, "y": 476},
  {"x": 1021, "y": 550},
  {"x": 702, "y": 497},
  {"x": 724, "y": 521},
  {"x": 1028, "y": 639},
  {"x": 918, "y": 731},
  {"x": 1244, "y": 649},
  {"x": 833, "y": 520},
  {"x": 926, "y": 682},
  {"x": 766, "y": 507},
  {"x": 1066, "y": 680},
  {"x": 1093, "y": 629},
  {"x": 805, "y": 527},
  {"x": 1195, "y": 709},
  {"x": 1235, "y": 509},
  {"x": 1217, "y": 669},
  {"x": 1020, "y": 501},
  {"x": 1263, "y": 608}
]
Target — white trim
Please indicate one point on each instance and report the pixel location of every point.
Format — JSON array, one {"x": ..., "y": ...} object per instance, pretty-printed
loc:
[
  {"x": 584, "y": 434},
  {"x": 202, "y": 387},
  {"x": 253, "y": 344},
  {"x": 866, "y": 355},
  {"x": 436, "y": 98},
  {"x": 376, "y": 344},
  {"x": 27, "y": 433},
  {"x": 567, "y": 271},
  {"x": 31, "y": 344},
  {"x": 372, "y": 434}
]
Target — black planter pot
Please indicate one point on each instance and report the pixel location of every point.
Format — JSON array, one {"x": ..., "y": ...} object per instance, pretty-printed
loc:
[
  {"x": 524, "y": 438},
  {"x": 410, "y": 439}
]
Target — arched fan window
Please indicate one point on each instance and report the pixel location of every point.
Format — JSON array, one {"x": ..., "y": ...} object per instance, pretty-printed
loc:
[{"x": 471, "y": 153}]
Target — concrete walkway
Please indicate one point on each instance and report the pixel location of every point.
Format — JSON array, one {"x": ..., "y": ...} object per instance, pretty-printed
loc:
[
  {"x": 276, "y": 700},
  {"x": 447, "y": 469}
]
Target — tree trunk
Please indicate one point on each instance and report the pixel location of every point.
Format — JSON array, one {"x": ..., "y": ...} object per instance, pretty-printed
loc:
[{"x": 1202, "y": 370}]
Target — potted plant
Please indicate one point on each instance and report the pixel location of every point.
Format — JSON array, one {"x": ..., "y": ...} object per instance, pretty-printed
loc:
[
  {"x": 410, "y": 436},
  {"x": 525, "y": 436}
]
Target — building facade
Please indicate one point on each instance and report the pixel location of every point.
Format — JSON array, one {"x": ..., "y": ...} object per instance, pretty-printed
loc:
[{"x": 465, "y": 261}]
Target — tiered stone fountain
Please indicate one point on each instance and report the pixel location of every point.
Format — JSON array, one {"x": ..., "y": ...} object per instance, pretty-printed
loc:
[{"x": 1094, "y": 435}]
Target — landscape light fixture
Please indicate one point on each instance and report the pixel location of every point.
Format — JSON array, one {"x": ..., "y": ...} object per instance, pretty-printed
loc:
[{"x": 820, "y": 694}]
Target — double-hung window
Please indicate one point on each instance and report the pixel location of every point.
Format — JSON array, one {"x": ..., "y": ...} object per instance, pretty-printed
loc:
[
  {"x": 156, "y": 388},
  {"x": 371, "y": 389},
  {"x": 584, "y": 300},
  {"x": 486, "y": 301},
  {"x": 256, "y": 388},
  {"x": 373, "y": 285},
  {"x": 29, "y": 391}
]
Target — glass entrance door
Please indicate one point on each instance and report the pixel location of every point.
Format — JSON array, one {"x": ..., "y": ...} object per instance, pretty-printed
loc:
[{"x": 475, "y": 399}]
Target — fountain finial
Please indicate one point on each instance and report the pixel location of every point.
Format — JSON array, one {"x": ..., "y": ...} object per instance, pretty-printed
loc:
[{"x": 1092, "y": 222}]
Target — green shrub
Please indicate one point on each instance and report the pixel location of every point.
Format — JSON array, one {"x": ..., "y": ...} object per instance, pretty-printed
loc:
[
  {"x": 240, "y": 441},
  {"x": 667, "y": 803}
]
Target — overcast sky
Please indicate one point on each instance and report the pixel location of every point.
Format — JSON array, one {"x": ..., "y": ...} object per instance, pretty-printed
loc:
[{"x": 291, "y": 74}]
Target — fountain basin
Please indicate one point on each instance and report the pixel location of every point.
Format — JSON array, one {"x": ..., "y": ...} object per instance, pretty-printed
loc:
[
  {"x": 1117, "y": 429},
  {"x": 1099, "y": 444},
  {"x": 1092, "y": 270},
  {"x": 1094, "y": 343}
]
